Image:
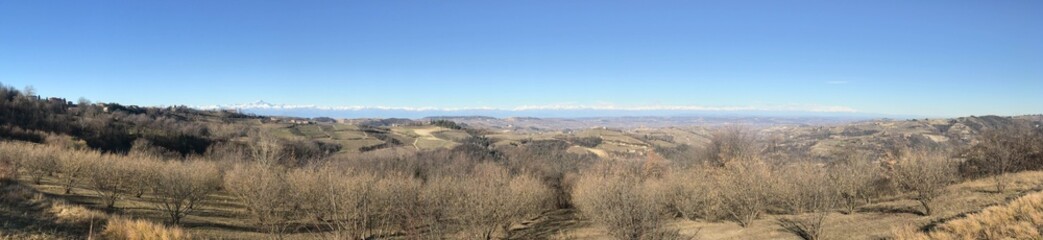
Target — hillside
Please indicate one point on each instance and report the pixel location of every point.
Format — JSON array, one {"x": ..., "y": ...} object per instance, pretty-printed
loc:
[{"x": 225, "y": 175}]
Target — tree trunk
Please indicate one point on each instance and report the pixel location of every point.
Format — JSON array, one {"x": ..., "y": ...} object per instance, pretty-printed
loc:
[{"x": 926, "y": 207}]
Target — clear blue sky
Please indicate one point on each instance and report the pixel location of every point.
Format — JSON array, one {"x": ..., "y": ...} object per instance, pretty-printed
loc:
[{"x": 933, "y": 58}]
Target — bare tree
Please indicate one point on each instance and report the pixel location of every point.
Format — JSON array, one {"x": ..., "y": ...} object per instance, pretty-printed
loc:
[
  {"x": 999, "y": 152},
  {"x": 144, "y": 170},
  {"x": 73, "y": 166},
  {"x": 732, "y": 143},
  {"x": 748, "y": 185},
  {"x": 265, "y": 193},
  {"x": 854, "y": 178},
  {"x": 493, "y": 199},
  {"x": 39, "y": 163},
  {"x": 617, "y": 197},
  {"x": 807, "y": 191},
  {"x": 692, "y": 194},
  {"x": 110, "y": 177},
  {"x": 266, "y": 149},
  {"x": 181, "y": 186},
  {"x": 337, "y": 200},
  {"x": 925, "y": 173}
]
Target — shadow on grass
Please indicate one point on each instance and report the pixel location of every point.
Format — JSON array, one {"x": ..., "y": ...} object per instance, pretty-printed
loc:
[
  {"x": 892, "y": 209},
  {"x": 20, "y": 212},
  {"x": 547, "y": 225}
]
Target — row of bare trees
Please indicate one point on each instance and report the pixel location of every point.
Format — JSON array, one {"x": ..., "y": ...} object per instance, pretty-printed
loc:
[
  {"x": 355, "y": 204},
  {"x": 340, "y": 202},
  {"x": 177, "y": 186},
  {"x": 739, "y": 184}
]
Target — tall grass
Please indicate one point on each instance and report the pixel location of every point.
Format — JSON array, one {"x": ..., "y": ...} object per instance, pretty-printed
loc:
[
  {"x": 1019, "y": 219},
  {"x": 119, "y": 228}
]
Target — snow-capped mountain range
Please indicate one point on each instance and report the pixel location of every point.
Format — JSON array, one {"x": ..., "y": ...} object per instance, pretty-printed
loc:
[{"x": 556, "y": 111}]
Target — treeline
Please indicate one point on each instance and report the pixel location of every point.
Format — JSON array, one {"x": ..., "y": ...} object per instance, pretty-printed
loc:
[{"x": 110, "y": 127}]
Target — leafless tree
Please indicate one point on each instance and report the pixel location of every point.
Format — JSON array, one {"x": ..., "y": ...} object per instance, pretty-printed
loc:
[
  {"x": 732, "y": 143},
  {"x": 39, "y": 163},
  {"x": 493, "y": 200},
  {"x": 111, "y": 178},
  {"x": 747, "y": 187},
  {"x": 925, "y": 173},
  {"x": 181, "y": 186},
  {"x": 810, "y": 194},
  {"x": 265, "y": 193},
  {"x": 855, "y": 180},
  {"x": 1001, "y": 151},
  {"x": 617, "y": 197},
  {"x": 73, "y": 167},
  {"x": 692, "y": 194},
  {"x": 266, "y": 149}
]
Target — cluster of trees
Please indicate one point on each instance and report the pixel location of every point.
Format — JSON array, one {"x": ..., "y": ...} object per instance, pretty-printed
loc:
[
  {"x": 479, "y": 200},
  {"x": 1011, "y": 148},
  {"x": 633, "y": 200},
  {"x": 355, "y": 204},
  {"x": 108, "y": 127},
  {"x": 177, "y": 185}
]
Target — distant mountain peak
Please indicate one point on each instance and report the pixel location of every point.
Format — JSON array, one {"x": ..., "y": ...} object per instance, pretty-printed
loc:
[{"x": 262, "y": 107}]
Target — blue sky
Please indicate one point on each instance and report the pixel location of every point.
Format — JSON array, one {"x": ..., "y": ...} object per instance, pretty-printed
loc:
[{"x": 931, "y": 58}]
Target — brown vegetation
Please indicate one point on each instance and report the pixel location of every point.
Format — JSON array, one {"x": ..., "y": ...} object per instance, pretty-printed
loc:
[
  {"x": 617, "y": 196},
  {"x": 1020, "y": 219},
  {"x": 135, "y": 229},
  {"x": 925, "y": 173},
  {"x": 480, "y": 189}
]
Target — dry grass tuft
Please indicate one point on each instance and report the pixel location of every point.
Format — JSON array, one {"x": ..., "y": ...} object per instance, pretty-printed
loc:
[
  {"x": 131, "y": 229},
  {"x": 74, "y": 214},
  {"x": 1020, "y": 219}
]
